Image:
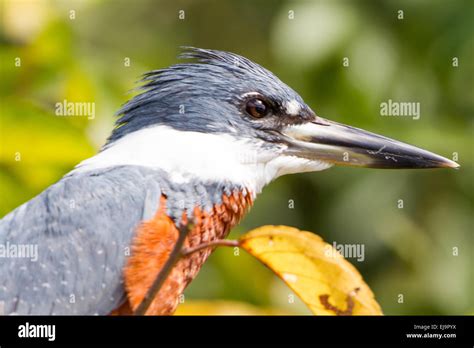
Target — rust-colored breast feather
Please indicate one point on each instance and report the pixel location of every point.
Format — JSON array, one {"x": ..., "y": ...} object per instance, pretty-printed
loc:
[{"x": 155, "y": 240}]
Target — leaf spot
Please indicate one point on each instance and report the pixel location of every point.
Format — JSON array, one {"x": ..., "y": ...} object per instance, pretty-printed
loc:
[
  {"x": 324, "y": 299},
  {"x": 290, "y": 278}
]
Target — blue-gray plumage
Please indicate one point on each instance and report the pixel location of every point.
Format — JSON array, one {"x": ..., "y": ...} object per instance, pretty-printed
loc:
[
  {"x": 211, "y": 89},
  {"x": 83, "y": 226},
  {"x": 206, "y": 137}
]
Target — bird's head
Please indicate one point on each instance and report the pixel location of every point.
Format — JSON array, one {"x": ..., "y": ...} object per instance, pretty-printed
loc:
[{"x": 226, "y": 118}]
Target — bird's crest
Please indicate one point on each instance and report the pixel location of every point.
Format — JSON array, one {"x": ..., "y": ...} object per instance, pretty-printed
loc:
[{"x": 164, "y": 92}]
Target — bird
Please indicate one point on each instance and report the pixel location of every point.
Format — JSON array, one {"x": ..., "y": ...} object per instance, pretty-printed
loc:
[{"x": 185, "y": 161}]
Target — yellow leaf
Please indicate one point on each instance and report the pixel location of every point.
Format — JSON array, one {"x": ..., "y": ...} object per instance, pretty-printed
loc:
[
  {"x": 313, "y": 269},
  {"x": 201, "y": 307}
]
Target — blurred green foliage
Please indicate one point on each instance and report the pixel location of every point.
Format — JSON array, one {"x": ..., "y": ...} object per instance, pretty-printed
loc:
[{"x": 409, "y": 251}]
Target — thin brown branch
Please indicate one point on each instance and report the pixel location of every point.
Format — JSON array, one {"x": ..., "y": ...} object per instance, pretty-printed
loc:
[
  {"x": 218, "y": 242},
  {"x": 177, "y": 253},
  {"x": 163, "y": 275}
]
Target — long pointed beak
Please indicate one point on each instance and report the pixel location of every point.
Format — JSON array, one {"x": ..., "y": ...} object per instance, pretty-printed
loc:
[{"x": 344, "y": 145}]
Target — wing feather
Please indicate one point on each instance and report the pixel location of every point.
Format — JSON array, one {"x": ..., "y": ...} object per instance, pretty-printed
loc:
[{"x": 81, "y": 228}]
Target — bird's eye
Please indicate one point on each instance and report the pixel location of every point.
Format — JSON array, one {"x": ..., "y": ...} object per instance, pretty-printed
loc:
[{"x": 257, "y": 108}]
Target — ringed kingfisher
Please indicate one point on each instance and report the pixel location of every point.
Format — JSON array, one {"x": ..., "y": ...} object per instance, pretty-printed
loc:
[{"x": 194, "y": 148}]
